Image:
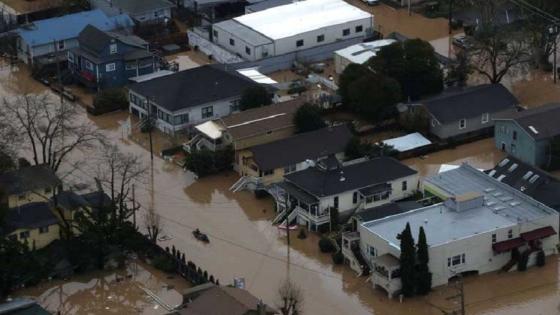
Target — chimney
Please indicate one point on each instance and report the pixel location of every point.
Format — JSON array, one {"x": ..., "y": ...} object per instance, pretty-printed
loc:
[{"x": 261, "y": 308}]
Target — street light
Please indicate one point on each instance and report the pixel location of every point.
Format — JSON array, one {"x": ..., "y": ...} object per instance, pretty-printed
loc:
[{"x": 553, "y": 31}]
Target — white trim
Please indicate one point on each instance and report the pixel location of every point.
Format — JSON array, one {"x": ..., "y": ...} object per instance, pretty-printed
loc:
[{"x": 464, "y": 125}]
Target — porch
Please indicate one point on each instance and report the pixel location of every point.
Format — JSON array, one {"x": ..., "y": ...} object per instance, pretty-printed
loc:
[{"x": 352, "y": 253}]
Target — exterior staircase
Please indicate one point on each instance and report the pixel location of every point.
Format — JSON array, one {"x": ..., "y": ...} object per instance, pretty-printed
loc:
[
  {"x": 361, "y": 260},
  {"x": 246, "y": 182}
]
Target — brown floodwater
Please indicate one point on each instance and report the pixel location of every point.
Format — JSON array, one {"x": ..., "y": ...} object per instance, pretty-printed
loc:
[
  {"x": 243, "y": 243},
  {"x": 128, "y": 291}
]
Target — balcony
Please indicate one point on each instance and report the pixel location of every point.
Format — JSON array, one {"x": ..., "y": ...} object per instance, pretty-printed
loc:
[
  {"x": 386, "y": 274},
  {"x": 314, "y": 214}
]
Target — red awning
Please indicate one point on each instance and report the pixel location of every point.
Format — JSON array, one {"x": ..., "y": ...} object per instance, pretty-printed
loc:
[
  {"x": 504, "y": 246},
  {"x": 538, "y": 234}
]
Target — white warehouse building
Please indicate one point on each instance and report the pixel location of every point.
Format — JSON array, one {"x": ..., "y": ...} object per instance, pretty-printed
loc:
[
  {"x": 483, "y": 225},
  {"x": 292, "y": 27}
]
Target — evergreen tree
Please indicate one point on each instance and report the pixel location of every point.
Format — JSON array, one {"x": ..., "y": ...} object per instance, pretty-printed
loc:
[
  {"x": 423, "y": 274},
  {"x": 407, "y": 262}
]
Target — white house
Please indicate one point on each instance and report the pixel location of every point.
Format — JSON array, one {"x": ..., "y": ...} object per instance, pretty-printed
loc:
[
  {"x": 292, "y": 27},
  {"x": 359, "y": 53},
  {"x": 483, "y": 225},
  {"x": 43, "y": 40},
  {"x": 188, "y": 97},
  {"x": 310, "y": 195}
]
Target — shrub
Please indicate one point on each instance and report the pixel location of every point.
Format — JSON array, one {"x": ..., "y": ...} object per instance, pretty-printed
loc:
[
  {"x": 522, "y": 263},
  {"x": 164, "y": 263},
  {"x": 541, "y": 259},
  {"x": 325, "y": 245},
  {"x": 337, "y": 258},
  {"x": 308, "y": 118},
  {"x": 109, "y": 100},
  {"x": 206, "y": 162},
  {"x": 255, "y": 96}
]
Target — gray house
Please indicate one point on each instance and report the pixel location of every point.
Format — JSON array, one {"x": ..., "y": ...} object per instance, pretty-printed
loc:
[
  {"x": 141, "y": 11},
  {"x": 467, "y": 112},
  {"x": 526, "y": 135}
]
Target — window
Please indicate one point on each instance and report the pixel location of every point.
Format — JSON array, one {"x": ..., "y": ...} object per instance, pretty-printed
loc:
[
  {"x": 372, "y": 251},
  {"x": 510, "y": 233},
  {"x": 23, "y": 235},
  {"x": 247, "y": 50},
  {"x": 61, "y": 45},
  {"x": 21, "y": 197},
  {"x": 456, "y": 260},
  {"x": 43, "y": 229},
  {"x": 320, "y": 38},
  {"x": 234, "y": 106},
  {"x": 514, "y": 135},
  {"x": 89, "y": 65},
  {"x": 267, "y": 172},
  {"x": 113, "y": 49},
  {"x": 70, "y": 57},
  {"x": 232, "y": 42},
  {"x": 462, "y": 124},
  {"x": 355, "y": 197},
  {"x": 493, "y": 238},
  {"x": 215, "y": 34},
  {"x": 335, "y": 202},
  {"x": 110, "y": 67},
  {"x": 485, "y": 118},
  {"x": 346, "y": 32},
  {"x": 299, "y": 43},
  {"x": 404, "y": 185},
  {"x": 182, "y": 119},
  {"x": 513, "y": 148},
  {"x": 48, "y": 190},
  {"x": 13, "y": 237},
  {"x": 433, "y": 123},
  {"x": 369, "y": 199},
  {"x": 130, "y": 65},
  {"x": 359, "y": 28},
  {"x": 207, "y": 112}
]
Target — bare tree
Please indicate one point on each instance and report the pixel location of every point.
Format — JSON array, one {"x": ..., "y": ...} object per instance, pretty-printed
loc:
[
  {"x": 496, "y": 48},
  {"x": 291, "y": 298},
  {"x": 117, "y": 172},
  {"x": 51, "y": 129},
  {"x": 153, "y": 224}
]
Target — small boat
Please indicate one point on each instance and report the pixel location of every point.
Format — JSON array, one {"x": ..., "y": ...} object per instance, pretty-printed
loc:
[{"x": 201, "y": 236}]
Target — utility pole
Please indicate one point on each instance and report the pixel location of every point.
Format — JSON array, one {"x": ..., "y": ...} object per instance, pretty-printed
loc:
[
  {"x": 409, "y": 12},
  {"x": 133, "y": 207},
  {"x": 150, "y": 127},
  {"x": 459, "y": 286},
  {"x": 55, "y": 43},
  {"x": 450, "y": 17}
]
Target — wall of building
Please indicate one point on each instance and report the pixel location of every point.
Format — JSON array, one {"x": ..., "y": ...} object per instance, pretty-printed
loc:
[
  {"x": 27, "y": 52},
  {"x": 222, "y": 37},
  {"x": 525, "y": 148},
  {"x": 29, "y": 197},
  {"x": 38, "y": 239},
  {"x": 474, "y": 124},
  {"x": 274, "y": 135}
]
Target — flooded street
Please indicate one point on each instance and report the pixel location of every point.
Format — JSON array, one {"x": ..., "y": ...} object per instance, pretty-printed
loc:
[
  {"x": 124, "y": 291},
  {"x": 243, "y": 243}
]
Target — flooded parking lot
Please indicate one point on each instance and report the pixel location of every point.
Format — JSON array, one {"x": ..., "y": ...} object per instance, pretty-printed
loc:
[{"x": 243, "y": 243}]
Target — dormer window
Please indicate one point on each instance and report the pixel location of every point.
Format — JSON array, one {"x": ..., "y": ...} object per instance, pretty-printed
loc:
[{"x": 113, "y": 49}]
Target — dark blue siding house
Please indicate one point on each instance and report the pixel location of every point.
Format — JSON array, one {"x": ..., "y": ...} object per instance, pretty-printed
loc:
[{"x": 107, "y": 59}]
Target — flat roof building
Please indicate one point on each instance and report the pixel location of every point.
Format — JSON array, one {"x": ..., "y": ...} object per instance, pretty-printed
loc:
[
  {"x": 291, "y": 27},
  {"x": 477, "y": 228},
  {"x": 359, "y": 53}
]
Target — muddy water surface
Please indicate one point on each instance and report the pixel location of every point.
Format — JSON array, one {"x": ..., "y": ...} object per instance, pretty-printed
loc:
[
  {"x": 128, "y": 291},
  {"x": 243, "y": 243}
]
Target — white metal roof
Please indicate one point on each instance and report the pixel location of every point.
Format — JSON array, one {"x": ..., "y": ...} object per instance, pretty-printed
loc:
[
  {"x": 301, "y": 17},
  {"x": 211, "y": 129},
  {"x": 255, "y": 75},
  {"x": 150, "y": 76},
  {"x": 408, "y": 142},
  {"x": 360, "y": 53}
]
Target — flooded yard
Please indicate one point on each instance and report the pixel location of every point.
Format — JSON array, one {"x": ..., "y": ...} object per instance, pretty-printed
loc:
[
  {"x": 129, "y": 291},
  {"x": 243, "y": 243}
]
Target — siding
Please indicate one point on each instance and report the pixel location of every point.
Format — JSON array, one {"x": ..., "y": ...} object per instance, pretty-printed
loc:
[
  {"x": 474, "y": 124},
  {"x": 523, "y": 148}
]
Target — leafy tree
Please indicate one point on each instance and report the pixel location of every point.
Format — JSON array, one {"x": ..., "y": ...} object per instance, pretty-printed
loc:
[
  {"x": 412, "y": 64},
  {"x": 308, "y": 118},
  {"x": 356, "y": 149},
  {"x": 110, "y": 100},
  {"x": 205, "y": 162},
  {"x": 424, "y": 276},
  {"x": 407, "y": 261},
  {"x": 350, "y": 74},
  {"x": 461, "y": 69},
  {"x": 254, "y": 96},
  {"x": 290, "y": 298},
  {"x": 536, "y": 27},
  {"x": 374, "y": 97}
]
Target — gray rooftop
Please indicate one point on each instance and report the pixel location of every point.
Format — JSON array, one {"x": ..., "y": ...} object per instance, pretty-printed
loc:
[
  {"x": 249, "y": 35},
  {"x": 503, "y": 207}
]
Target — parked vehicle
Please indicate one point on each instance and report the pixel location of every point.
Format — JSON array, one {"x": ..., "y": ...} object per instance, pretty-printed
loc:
[
  {"x": 462, "y": 42},
  {"x": 371, "y": 2},
  {"x": 200, "y": 236}
]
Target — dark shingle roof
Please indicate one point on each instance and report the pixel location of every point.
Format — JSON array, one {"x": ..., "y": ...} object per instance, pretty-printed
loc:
[
  {"x": 141, "y": 6},
  {"x": 193, "y": 87},
  {"x": 322, "y": 183},
  {"x": 389, "y": 209},
  {"x": 470, "y": 102},
  {"x": 27, "y": 179},
  {"x": 298, "y": 148},
  {"x": 31, "y": 216},
  {"x": 94, "y": 38},
  {"x": 267, "y": 4},
  {"x": 224, "y": 301},
  {"x": 543, "y": 119},
  {"x": 530, "y": 180}
]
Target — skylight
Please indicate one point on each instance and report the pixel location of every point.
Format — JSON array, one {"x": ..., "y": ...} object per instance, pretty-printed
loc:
[
  {"x": 513, "y": 167},
  {"x": 527, "y": 175},
  {"x": 504, "y": 162},
  {"x": 534, "y": 179}
]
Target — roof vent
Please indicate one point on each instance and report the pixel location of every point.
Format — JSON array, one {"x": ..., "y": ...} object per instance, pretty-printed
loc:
[{"x": 534, "y": 130}]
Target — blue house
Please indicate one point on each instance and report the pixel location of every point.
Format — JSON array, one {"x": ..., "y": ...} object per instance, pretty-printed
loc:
[
  {"x": 527, "y": 135},
  {"x": 108, "y": 59},
  {"x": 47, "y": 41}
]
